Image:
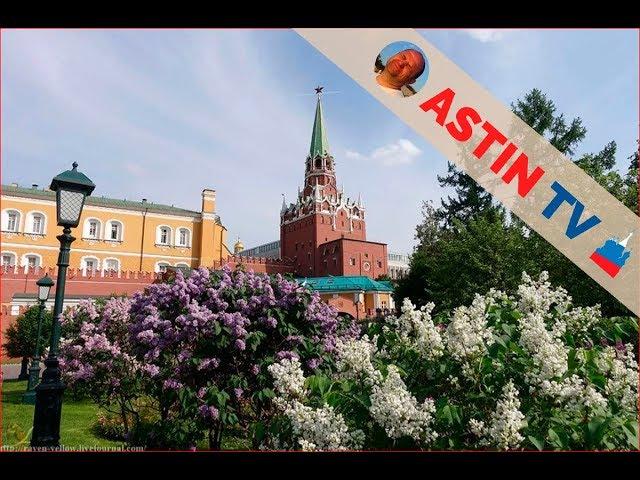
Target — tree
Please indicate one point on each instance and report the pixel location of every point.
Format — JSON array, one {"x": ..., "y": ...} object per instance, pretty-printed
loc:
[
  {"x": 22, "y": 336},
  {"x": 631, "y": 180},
  {"x": 473, "y": 257}
]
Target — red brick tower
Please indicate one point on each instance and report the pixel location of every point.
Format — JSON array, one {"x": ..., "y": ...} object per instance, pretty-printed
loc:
[{"x": 321, "y": 214}]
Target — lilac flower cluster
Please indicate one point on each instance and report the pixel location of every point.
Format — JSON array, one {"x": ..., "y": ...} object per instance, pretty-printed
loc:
[
  {"x": 217, "y": 331},
  {"x": 94, "y": 351}
]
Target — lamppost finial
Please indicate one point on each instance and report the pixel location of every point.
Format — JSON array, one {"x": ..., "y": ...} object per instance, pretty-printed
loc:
[{"x": 74, "y": 165}]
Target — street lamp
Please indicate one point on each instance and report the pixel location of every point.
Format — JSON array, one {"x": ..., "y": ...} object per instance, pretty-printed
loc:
[
  {"x": 44, "y": 287},
  {"x": 71, "y": 187}
]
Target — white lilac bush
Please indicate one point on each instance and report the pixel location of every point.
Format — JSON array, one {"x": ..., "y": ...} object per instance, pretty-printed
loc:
[{"x": 528, "y": 371}]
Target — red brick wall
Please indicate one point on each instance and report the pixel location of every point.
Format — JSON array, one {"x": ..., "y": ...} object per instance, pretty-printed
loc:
[
  {"x": 17, "y": 280},
  {"x": 309, "y": 233},
  {"x": 344, "y": 249},
  {"x": 297, "y": 244}
]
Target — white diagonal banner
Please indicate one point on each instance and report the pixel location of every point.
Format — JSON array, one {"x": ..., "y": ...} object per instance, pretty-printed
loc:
[{"x": 509, "y": 159}]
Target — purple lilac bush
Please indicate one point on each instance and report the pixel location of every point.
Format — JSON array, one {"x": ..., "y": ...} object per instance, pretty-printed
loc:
[
  {"x": 199, "y": 346},
  {"x": 96, "y": 358}
]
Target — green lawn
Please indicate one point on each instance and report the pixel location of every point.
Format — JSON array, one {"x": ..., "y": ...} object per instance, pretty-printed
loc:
[
  {"x": 77, "y": 420},
  {"x": 76, "y": 430}
]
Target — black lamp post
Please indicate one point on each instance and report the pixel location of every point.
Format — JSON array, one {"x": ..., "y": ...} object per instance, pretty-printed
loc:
[
  {"x": 71, "y": 188},
  {"x": 44, "y": 287}
]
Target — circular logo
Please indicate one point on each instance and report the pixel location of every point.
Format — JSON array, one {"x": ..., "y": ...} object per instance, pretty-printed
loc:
[
  {"x": 366, "y": 266},
  {"x": 401, "y": 69}
]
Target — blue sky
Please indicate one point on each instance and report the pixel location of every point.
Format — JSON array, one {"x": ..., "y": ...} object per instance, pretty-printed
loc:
[{"x": 163, "y": 114}]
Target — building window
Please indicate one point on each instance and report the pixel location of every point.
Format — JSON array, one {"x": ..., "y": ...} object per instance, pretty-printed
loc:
[
  {"x": 352, "y": 262},
  {"x": 37, "y": 223},
  {"x": 92, "y": 228},
  {"x": 379, "y": 264},
  {"x": 12, "y": 225},
  {"x": 32, "y": 261},
  {"x": 8, "y": 259},
  {"x": 111, "y": 265},
  {"x": 184, "y": 237},
  {"x": 164, "y": 235},
  {"x": 114, "y": 231},
  {"x": 11, "y": 221},
  {"x": 90, "y": 265},
  {"x": 161, "y": 267},
  {"x": 335, "y": 262}
]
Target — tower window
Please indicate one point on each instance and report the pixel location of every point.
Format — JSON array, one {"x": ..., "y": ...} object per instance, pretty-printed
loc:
[{"x": 352, "y": 261}]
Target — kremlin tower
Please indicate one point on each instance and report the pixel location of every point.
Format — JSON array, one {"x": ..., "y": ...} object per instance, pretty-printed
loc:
[{"x": 324, "y": 232}]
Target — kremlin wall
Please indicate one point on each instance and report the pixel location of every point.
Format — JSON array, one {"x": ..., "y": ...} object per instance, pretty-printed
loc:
[{"x": 122, "y": 246}]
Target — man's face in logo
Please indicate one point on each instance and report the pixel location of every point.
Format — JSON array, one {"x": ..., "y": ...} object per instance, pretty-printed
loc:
[{"x": 405, "y": 66}]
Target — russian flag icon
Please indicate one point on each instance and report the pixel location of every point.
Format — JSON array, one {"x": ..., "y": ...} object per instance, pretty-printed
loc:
[{"x": 612, "y": 256}]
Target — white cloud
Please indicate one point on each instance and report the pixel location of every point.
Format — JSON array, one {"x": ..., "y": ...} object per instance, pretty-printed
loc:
[
  {"x": 400, "y": 152},
  {"x": 135, "y": 169},
  {"x": 486, "y": 34},
  {"x": 354, "y": 155}
]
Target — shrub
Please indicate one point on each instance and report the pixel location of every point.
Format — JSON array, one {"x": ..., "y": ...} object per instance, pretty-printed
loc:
[
  {"x": 198, "y": 348},
  {"x": 528, "y": 371}
]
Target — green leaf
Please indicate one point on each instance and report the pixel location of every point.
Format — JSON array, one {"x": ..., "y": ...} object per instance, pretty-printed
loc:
[
  {"x": 508, "y": 329},
  {"x": 571, "y": 360},
  {"x": 597, "y": 428},
  {"x": 538, "y": 442},
  {"x": 258, "y": 431},
  {"x": 501, "y": 342},
  {"x": 631, "y": 432},
  {"x": 598, "y": 379},
  {"x": 555, "y": 439},
  {"x": 446, "y": 411}
]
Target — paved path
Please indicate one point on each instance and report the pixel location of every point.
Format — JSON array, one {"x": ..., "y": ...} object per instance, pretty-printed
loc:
[{"x": 10, "y": 371}]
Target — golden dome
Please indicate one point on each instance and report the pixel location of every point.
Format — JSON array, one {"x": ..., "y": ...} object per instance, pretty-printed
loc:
[{"x": 238, "y": 246}]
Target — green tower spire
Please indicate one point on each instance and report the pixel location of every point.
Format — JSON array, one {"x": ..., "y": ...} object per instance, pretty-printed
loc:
[{"x": 319, "y": 142}]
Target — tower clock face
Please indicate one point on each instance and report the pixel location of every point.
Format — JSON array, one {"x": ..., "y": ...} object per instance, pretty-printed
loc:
[{"x": 366, "y": 266}]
